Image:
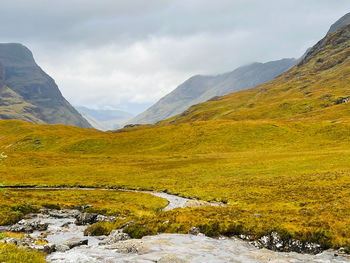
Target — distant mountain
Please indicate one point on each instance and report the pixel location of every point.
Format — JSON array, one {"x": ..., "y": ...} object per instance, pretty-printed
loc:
[
  {"x": 344, "y": 21},
  {"x": 29, "y": 94},
  {"x": 105, "y": 119},
  {"x": 315, "y": 90},
  {"x": 198, "y": 89}
]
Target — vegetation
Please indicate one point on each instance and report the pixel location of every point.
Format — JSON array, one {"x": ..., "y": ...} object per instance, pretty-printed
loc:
[
  {"x": 12, "y": 254},
  {"x": 16, "y": 203},
  {"x": 277, "y": 154}
]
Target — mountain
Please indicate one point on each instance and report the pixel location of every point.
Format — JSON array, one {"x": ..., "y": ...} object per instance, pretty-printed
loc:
[
  {"x": 343, "y": 21},
  {"x": 316, "y": 89},
  {"x": 105, "y": 119},
  {"x": 199, "y": 88},
  {"x": 29, "y": 94}
]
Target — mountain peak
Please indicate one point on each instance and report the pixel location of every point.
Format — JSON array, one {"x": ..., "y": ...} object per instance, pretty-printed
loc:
[
  {"x": 28, "y": 93},
  {"x": 343, "y": 21},
  {"x": 11, "y": 53}
]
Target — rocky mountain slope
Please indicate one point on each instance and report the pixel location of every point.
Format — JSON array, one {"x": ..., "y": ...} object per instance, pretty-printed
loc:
[
  {"x": 105, "y": 119},
  {"x": 343, "y": 21},
  {"x": 202, "y": 88},
  {"x": 316, "y": 89},
  {"x": 28, "y": 93}
]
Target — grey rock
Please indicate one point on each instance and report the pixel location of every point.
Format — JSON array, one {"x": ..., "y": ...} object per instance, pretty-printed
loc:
[
  {"x": 75, "y": 242},
  {"x": 274, "y": 242},
  {"x": 194, "y": 231},
  {"x": 62, "y": 248},
  {"x": 100, "y": 218},
  {"x": 116, "y": 236},
  {"x": 68, "y": 213},
  {"x": 86, "y": 218},
  {"x": 49, "y": 248},
  {"x": 343, "y": 21},
  {"x": 28, "y": 226}
]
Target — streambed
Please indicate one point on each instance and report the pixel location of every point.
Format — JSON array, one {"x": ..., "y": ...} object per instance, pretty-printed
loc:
[{"x": 164, "y": 248}]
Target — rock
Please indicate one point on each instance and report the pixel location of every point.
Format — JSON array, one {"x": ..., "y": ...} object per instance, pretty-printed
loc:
[
  {"x": 4, "y": 229},
  {"x": 128, "y": 246},
  {"x": 105, "y": 218},
  {"x": 274, "y": 242},
  {"x": 66, "y": 224},
  {"x": 171, "y": 259},
  {"x": 29, "y": 227},
  {"x": 24, "y": 242},
  {"x": 116, "y": 236},
  {"x": 62, "y": 248},
  {"x": 49, "y": 248},
  {"x": 194, "y": 231},
  {"x": 86, "y": 218},
  {"x": 75, "y": 242},
  {"x": 68, "y": 213}
]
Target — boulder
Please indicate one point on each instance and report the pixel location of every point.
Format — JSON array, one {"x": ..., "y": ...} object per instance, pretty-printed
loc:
[
  {"x": 86, "y": 218},
  {"x": 29, "y": 226},
  {"x": 75, "y": 242},
  {"x": 62, "y": 248}
]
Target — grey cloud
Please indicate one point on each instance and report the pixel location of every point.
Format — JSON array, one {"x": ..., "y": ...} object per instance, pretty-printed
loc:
[{"x": 108, "y": 52}]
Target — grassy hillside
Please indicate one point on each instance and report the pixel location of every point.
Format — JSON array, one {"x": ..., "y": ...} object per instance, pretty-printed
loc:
[{"x": 294, "y": 175}]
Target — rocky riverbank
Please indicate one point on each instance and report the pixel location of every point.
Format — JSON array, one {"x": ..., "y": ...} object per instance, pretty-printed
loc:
[{"x": 60, "y": 234}]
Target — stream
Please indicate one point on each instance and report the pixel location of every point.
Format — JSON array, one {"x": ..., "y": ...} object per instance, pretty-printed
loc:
[{"x": 71, "y": 246}]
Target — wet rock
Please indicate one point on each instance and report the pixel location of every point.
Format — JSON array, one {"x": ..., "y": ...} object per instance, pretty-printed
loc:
[
  {"x": 29, "y": 226},
  {"x": 194, "y": 231},
  {"x": 75, "y": 242},
  {"x": 116, "y": 236},
  {"x": 62, "y": 248},
  {"x": 66, "y": 224},
  {"x": 86, "y": 218}
]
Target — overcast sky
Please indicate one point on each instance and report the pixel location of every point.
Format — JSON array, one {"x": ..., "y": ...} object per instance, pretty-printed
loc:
[{"x": 129, "y": 54}]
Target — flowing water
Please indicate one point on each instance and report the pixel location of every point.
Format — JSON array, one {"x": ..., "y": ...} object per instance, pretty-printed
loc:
[{"x": 163, "y": 248}]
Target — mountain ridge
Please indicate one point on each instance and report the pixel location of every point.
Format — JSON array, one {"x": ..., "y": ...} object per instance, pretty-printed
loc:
[
  {"x": 200, "y": 88},
  {"x": 38, "y": 93}
]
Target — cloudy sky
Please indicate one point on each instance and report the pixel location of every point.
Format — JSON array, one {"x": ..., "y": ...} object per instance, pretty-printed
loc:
[{"x": 128, "y": 54}]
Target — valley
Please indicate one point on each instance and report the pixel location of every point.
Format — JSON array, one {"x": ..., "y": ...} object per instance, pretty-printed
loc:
[{"x": 258, "y": 175}]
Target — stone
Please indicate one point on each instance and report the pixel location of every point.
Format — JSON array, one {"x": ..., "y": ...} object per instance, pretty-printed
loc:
[
  {"x": 116, "y": 236},
  {"x": 75, "y": 242},
  {"x": 62, "y": 248},
  {"x": 29, "y": 227},
  {"x": 100, "y": 218},
  {"x": 68, "y": 213},
  {"x": 194, "y": 231},
  {"x": 86, "y": 218},
  {"x": 49, "y": 248}
]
